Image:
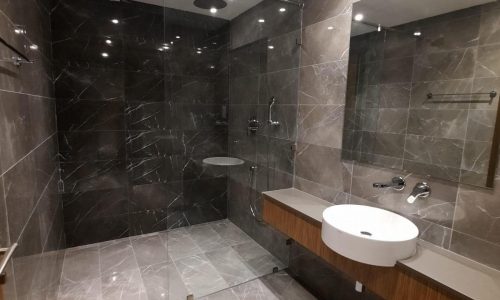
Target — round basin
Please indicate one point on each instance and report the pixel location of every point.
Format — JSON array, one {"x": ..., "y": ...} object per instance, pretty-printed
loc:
[{"x": 369, "y": 235}]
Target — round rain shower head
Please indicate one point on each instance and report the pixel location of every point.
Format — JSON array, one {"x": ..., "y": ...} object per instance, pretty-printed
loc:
[{"x": 208, "y": 4}]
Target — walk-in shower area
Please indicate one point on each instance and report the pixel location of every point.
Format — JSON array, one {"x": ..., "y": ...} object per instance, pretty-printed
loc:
[{"x": 168, "y": 120}]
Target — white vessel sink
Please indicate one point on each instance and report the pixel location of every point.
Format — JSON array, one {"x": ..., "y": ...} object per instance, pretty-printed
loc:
[
  {"x": 369, "y": 235},
  {"x": 223, "y": 161}
]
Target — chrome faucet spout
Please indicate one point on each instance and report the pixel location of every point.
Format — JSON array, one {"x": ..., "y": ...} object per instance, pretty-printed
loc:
[{"x": 421, "y": 190}]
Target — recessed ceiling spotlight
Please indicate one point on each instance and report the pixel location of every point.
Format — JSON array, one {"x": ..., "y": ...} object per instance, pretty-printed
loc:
[
  {"x": 177, "y": 36},
  {"x": 160, "y": 49},
  {"x": 34, "y": 47},
  {"x": 104, "y": 54},
  {"x": 282, "y": 9},
  {"x": 109, "y": 42},
  {"x": 358, "y": 17},
  {"x": 379, "y": 28},
  {"x": 199, "y": 52},
  {"x": 262, "y": 20},
  {"x": 115, "y": 21},
  {"x": 166, "y": 47},
  {"x": 212, "y": 67},
  {"x": 213, "y": 10},
  {"x": 270, "y": 47},
  {"x": 417, "y": 33},
  {"x": 330, "y": 28}
]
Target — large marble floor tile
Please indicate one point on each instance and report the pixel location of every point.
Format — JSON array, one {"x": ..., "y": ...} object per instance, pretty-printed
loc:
[
  {"x": 125, "y": 285},
  {"x": 254, "y": 290},
  {"x": 83, "y": 290},
  {"x": 230, "y": 266},
  {"x": 149, "y": 250},
  {"x": 285, "y": 287},
  {"x": 264, "y": 265},
  {"x": 230, "y": 232},
  {"x": 200, "y": 276},
  {"x": 250, "y": 250},
  {"x": 206, "y": 237},
  {"x": 80, "y": 264},
  {"x": 117, "y": 256},
  {"x": 162, "y": 281},
  {"x": 179, "y": 244}
]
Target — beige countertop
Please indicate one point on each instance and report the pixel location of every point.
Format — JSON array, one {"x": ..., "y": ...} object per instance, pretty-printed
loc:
[{"x": 459, "y": 273}]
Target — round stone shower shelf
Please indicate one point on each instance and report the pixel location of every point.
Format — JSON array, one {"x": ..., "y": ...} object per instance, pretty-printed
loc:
[{"x": 223, "y": 161}]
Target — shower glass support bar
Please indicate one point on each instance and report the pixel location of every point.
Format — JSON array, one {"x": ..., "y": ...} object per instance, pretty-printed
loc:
[{"x": 492, "y": 94}]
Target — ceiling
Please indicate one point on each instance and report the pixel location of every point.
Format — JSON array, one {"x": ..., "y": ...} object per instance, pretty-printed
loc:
[
  {"x": 233, "y": 9},
  {"x": 390, "y": 13}
]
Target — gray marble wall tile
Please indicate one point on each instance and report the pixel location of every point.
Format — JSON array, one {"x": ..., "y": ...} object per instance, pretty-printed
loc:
[
  {"x": 395, "y": 95},
  {"x": 326, "y": 41},
  {"x": 475, "y": 249},
  {"x": 283, "y": 52},
  {"x": 422, "y": 149},
  {"x": 317, "y": 11},
  {"x": 489, "y": 26},
  {"x": 487, "y": 61},
  {"x": 321, "y": 165},
  {"x": 392, "y": 120},
  {"x": 476, "y": 212},
  {"x": 282, "y": 85},
  {"x": 449, "y": 124},
  {"x": 321, "y": 125},
  {"x": 456, "y": 64},
  {"x": 454, "y": 33},
  {"x": 397, "y": 70},
  {"x": 323, "y": 83}
]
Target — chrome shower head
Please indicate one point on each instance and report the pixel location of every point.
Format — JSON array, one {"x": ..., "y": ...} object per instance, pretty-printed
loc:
[{"x": 208, "y": 4}]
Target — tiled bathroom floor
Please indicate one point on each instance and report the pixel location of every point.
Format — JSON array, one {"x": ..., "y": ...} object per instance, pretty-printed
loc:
[{"x": 200, "y": 260}]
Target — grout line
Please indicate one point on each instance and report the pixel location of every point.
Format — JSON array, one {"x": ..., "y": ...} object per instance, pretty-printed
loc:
[{"x": 27, "y": 94}]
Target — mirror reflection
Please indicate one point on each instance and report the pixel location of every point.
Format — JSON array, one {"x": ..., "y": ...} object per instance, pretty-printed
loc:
[{"x": 423, "y": 88}]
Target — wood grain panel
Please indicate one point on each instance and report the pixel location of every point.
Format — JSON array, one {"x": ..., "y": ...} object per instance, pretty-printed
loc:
[{"x": 389, "y": 283}]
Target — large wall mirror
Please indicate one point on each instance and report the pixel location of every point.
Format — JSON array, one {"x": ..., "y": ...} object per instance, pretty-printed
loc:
[{"x": 423, "y": 88}]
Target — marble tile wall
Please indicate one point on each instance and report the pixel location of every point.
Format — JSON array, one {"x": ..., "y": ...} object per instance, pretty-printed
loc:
[
  {"x": 135, "y": 125},
  {"x": 30, "y": 207},
  {"x": 264, "y": 60},
  {"x": 391, "y": 123},
  {"x": 457, "y": 217}
]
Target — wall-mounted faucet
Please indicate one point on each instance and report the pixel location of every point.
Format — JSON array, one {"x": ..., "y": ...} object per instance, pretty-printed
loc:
[
  {"x": 397, "y": 183},
  {"x": 421, "y": 190},
  {"x": 270, "y": 117}
]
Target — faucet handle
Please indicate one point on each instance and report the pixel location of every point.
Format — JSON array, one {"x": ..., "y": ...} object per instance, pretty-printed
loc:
[
  {"x": 397, "y": 183},
  {"x": 421, "y": 190}
]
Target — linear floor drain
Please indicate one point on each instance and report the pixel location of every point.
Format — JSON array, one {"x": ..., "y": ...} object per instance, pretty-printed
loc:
[{"x": 366, "y": 233}]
